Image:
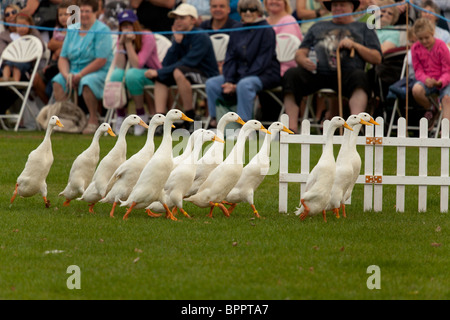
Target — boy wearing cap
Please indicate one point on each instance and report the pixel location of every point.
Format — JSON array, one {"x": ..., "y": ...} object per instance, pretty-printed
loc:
[{"x": 190, "y": 60}]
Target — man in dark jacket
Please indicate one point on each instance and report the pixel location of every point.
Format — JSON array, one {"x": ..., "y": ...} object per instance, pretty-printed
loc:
[
  {"x": 190, "y": 60},
  {"x": 251, "y": 63}
]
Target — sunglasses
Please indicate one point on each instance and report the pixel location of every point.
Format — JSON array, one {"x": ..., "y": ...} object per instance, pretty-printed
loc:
[
  {"x": 249, "y": 9},
  {"x": 11, "y": 13}
]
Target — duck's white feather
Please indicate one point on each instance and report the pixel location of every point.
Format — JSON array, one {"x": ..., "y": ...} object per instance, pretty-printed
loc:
[
  {"x": 225, "y": 176},
  {"x": 84, "y": 165},
  {"x": 127, "y": 174},
  {"x": 32, "y": 179},
  {"x": 109, "y": 164},
  {"x": 320, "y": 180}
]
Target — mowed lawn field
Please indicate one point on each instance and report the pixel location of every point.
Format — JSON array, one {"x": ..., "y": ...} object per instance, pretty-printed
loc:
[{"x": 276, "y": 257}]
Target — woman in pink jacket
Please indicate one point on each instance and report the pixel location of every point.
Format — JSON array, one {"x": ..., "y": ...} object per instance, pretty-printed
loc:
[
  {"x": 140, "y": 51},
  {"x": 431, "y": 62}
]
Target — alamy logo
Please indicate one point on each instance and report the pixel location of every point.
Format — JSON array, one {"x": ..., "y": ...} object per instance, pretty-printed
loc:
[
  {"x": 373, "y": 22},
  {"x": 74, "y": 19}
]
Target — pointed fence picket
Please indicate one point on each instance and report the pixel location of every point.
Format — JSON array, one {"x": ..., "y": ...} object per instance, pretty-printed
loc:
[{"x": 373, "y": 178}]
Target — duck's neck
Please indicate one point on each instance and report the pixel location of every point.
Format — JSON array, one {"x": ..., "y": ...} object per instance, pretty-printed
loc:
[
  {"x": 329, "y": 140},
  {"x": 195, "y": 154},
  {"x": 221, "y": 129},
  {"x": 149, "y": 143},
  {"x": 96, "y": 138},
  {"x": 166, "y": 143},
  {"x": 236, "y": 155},
  {"x": 354, "y": 134}
]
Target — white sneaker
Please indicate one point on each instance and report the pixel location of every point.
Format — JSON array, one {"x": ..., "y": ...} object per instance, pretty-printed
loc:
[
  {"x": 118, "y": 124},
  {"x": 138, "y": 129}
]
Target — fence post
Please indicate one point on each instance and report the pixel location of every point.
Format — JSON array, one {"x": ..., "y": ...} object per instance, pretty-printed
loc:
[
  {"x": 401, "y": 164},
  {"x": 444, "y": 165},
  {"x": 305, "y": 154},
  {"x": 423, "y": 165},
  {"x": 378, "y": 168},
  {"x": 284, "y": 165},
  {"x": 368, "y": 169}
]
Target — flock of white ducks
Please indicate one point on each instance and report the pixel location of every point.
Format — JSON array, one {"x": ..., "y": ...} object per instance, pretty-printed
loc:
[{"x": 154, "y": 180}]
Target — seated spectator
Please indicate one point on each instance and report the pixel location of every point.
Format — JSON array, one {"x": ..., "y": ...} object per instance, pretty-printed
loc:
[
  {"x": 309, "y": 10},
  {"x": 444, "y": 5},
  {"x": 220, "y": 19},
  {"x": 389, "y": 37},
  {"x": 439, "y": 33},
  {"x": 190, "y": 60},
  {"x": 250, "y": 66},
  {"x": 431, "y": 61},
  {"x": 280, "y": 17},
  {"x": 326, "y": 36},
  {"x": 87, "y": 56},
  {"x": 42, "y": 82},
  {"x": 6, "y": 37},
  {"x": 139, "y": 50},
  {"x": 15, "y": 71}
]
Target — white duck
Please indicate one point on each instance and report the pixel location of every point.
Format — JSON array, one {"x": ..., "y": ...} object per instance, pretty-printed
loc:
[
  {"x": 182, "y": 177},
  {"x": 254, "y": 172},
  {"x": 109, "y": 164},
  {"x": 32, "y": 179},
  {"x": 355, "y": 157},
  {"x": 214, "y": 155},
  {"x": 157, "y": 206},
  {"x": 320, "y": 180},
  {"x": 150, "y": 185},
  {"x": 83, "y": 167},
  {"x": 127, "y": 174},
  {"x": 225, "y": 176},
  {"x": 344, "y": 167}
]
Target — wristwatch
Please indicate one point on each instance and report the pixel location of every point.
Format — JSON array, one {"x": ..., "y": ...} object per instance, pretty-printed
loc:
[{"x": 318, "y": 13}]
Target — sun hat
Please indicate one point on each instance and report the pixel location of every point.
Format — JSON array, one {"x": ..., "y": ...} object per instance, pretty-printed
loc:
[
  {"x": 327, "y": 4},
  {"x": 127, "y": 16},
  {"x": 184, "y": 9}
]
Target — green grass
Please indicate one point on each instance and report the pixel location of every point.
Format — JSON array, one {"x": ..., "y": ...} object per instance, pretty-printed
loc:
[{"x": 276, "y": 257}]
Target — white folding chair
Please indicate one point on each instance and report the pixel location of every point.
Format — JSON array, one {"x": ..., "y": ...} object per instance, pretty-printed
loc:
[
  {"x": 287, "y": 45},
  {"x": 24, "y": 49}
]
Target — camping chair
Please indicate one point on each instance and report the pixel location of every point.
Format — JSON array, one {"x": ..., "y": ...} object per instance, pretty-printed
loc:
[
  {"x": 24, "y": 49},
  {"x": 287, "y": 45}
]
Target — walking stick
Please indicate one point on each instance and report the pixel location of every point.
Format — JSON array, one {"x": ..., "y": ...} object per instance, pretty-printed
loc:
[{"x": 339, "y": 76}]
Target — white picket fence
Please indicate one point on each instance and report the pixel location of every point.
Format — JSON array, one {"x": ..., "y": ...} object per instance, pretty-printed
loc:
[{"x": 372, "y": 165}]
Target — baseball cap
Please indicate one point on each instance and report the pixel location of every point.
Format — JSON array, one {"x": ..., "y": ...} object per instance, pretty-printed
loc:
[
  {"x": 184, "y": 9},
  {"x": 127, "y": 16}
]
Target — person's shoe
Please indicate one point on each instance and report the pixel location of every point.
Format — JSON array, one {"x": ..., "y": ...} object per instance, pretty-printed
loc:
[
  {"x": 90, "y": 128},
  {"x": 138, "y": 129},
  {"x": 431, "y": 115}
]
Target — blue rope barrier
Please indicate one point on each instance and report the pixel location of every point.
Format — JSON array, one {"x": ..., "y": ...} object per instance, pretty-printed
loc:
[{"x": 74, "y": 27}]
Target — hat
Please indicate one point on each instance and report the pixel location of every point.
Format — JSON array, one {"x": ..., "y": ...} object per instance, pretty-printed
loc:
[
  {"x": 127, "y": 16},
  {"x": 184, "y": 9},
  {"x": 327, "y": 4}
]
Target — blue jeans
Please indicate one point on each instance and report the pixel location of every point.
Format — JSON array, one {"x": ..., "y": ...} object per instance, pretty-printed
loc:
[{"x": 246, "y": 90}]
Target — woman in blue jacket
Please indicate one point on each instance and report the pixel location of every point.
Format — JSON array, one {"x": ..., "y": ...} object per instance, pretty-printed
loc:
[{"x": 251, "y": 63}]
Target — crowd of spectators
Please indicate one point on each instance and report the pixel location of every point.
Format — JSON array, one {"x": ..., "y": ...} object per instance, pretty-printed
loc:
[{"x": 84, "y": 55}]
